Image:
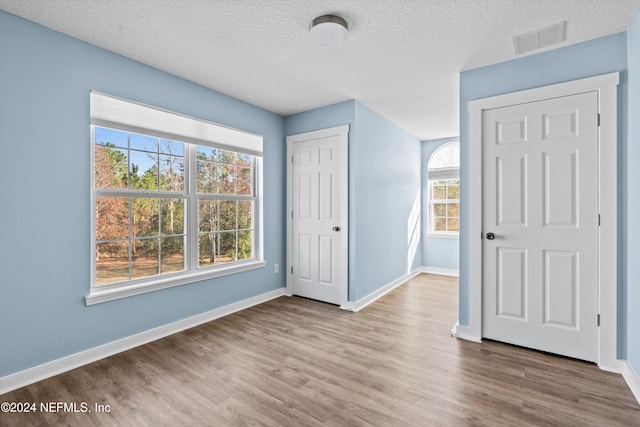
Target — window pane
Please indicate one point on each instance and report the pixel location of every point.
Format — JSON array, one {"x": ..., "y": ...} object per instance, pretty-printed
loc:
[
  {"x": 144, "y": 258},
  {"x": 110, "y": 167},
  {"x": 112, "y": 262},
  {"x": 245, "y": 245},
  {"x": 245, "y": 209},
  {"x": 439, "y": 209},
  {"x": 229, "y": 157},
  {"x": 207, "y": 249},
  {"x": 244, "y": 184},
  {"x": 226, "y": 178},
  {"x": 245, "y": 159},
  {"x": 110, "y": 137},
  {"x": 439, "y": 192},
  {"x": 207, "y": 153},
  {"x": 172, "y": 215},
  {"x": 224, "y": 172},
  {"x": 454, "y": 191},
  {"x": 143, "y": 170},
  {"x": 453, "y": 210},
  {"x": 112, "y": 218},
  {"x": 453, "y": 224},
  {"x": 227, "y": 215},
  {"x": 227, "y": 247},
  {"x": 439, "y": 224},
  {"x": 171, "y": 173},
  {"x": 207, "y": 177},
  {"x": 172, "y": 254},
  {"x": 208, "y": 215},
  {"x": 145, "y": 216},
  {"x": 143, "y": 142},
  {"x": 174, "y": 148}
]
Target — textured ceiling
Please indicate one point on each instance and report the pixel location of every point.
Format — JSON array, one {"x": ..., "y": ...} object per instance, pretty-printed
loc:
[{"x": 401, "y": 59}]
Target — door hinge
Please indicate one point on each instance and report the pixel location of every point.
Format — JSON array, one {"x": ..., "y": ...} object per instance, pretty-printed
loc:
[
  {"x": 292, "y": 158},
  {"x": 291, "y": 214},
  {"x": 292, "y": 269},
  {"x": 598, "y": 119},
  {"x": 598, "y": 220},
  {"x": 598, "y": 320}
]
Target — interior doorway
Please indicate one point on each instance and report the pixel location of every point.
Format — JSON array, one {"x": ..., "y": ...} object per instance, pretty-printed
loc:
[
  {"x": 605, "y": 88},
  {"x": 317, "y": 221}
]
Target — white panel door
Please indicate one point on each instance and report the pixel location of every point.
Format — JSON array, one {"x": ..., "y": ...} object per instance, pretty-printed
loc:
[
  {"x": 318, "y": 218},
  {"x": 540, "y": 225}
]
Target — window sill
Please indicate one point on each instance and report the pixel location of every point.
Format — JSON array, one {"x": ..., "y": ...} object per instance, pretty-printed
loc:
[
  {"x": 443, "y": 235},
  {"x": 97, "y": 296}
]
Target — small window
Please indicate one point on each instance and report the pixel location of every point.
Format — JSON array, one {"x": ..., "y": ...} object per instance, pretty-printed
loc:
[
  {"x": 175, "y": 199},
  {"x": 444, "y": 190},
  {"x": 445, "y": 206}
]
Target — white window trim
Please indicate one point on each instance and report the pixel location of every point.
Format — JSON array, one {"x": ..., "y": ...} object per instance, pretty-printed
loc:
[
  {"x": 119, "y": 113},
  {"x": 98, "y": 295},
  {"x": 109, "y": 111},
  {"x": 443, "y": 235}
]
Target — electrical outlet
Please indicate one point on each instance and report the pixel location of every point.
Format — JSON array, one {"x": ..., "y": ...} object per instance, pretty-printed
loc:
[{"x": 276, "y": 268}]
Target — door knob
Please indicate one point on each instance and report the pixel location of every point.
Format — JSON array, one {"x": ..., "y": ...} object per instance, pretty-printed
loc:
[
  {"x": 336, "y": 228},
  {"x": 491, "y": 236}
]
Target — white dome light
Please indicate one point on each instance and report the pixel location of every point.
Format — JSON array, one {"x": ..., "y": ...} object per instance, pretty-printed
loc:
[{"x": 328, "y": 30}]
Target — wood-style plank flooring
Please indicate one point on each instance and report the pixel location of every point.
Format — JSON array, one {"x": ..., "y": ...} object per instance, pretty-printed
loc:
[{"x": 297, "y": 362}]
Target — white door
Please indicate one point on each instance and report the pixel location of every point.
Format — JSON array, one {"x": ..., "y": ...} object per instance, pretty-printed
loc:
[
  {"x": 540, "y": 225},
  {"x": 318, "y": 223}
]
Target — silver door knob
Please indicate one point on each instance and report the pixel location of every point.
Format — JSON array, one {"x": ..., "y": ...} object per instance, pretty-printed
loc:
[
  {"x": 491, "y": 236},
  {"x": 336, "y": 228}
]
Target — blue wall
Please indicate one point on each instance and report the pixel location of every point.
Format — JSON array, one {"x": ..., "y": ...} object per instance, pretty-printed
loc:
[
  {"x": 595, "y": 57},
  {"x": 438, "y": 252},
  {"x": 340, "y": 114},
  {"x": 45, "y": 79},
  {"x": 386, "y": 167},
  {"x": 633, "y": 199},
  {"x": 384, "y": 186}
]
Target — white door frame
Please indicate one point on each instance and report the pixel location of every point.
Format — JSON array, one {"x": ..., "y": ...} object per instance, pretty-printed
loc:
[
  {"x": 342, "y": 270},
  {"x": 606, "y": 86}
]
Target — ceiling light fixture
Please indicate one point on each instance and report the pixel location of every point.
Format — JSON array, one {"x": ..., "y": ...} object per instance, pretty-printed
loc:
[{"x": 328, "y": 30}]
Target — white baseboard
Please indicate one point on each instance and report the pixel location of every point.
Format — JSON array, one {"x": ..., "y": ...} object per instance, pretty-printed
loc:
[
  {"x": 464, "y": 333},
  {"x": 632, "y": 380},
  {"x": 363, "y": 302},
  {"x": 440, "y": 271},
  {"x": 55, "y": 367},
  {"x": 615, "y": 366}
]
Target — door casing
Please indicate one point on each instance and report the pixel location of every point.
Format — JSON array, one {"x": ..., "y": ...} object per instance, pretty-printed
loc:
[
  {"x": 606, "y": 86},
  {"x": 343, "y": 193}
]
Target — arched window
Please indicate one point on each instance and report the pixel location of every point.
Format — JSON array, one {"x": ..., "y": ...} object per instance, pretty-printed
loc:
[{"x": 444, "y": 189}]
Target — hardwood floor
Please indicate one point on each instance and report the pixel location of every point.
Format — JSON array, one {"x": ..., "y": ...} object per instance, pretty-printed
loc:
[{"x": 297, "y": 362}]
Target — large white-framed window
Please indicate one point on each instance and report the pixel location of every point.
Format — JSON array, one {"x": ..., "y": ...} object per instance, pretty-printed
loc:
[
  {"x": 444, "y": 190},
  {"x": 174, "y": 199}
]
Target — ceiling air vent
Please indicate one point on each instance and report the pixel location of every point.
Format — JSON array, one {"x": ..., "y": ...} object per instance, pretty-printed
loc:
[{"x": 541, "y": 38}]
